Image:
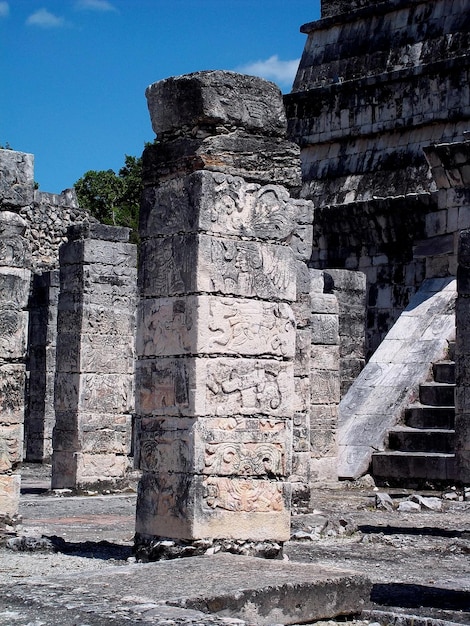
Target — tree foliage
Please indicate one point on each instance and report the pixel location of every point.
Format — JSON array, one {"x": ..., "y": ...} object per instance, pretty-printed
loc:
[{"x": 113, "y": 198}]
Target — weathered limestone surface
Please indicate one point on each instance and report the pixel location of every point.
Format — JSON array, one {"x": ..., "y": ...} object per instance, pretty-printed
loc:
[
  {"x": 15, "y": 277},
  {"x": 94, "y": 383},
  {"x": 324, "y": 377},
  {"x": 379, "y": 82},
  {"x": 16, "y": 179},
  {"x": 216, "y": 338},
  {"x": 42, "y": 343},
  {"x": 388, "y": 383},
  {"x": 350, "y": 290},
  {"x": 218, "y": 132}
]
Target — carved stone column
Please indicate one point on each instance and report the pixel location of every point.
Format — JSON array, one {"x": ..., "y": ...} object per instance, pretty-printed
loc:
[
  {"x": 216, "y": 332},
  {"x": 15, "y": 278},
  {"x": 94, "y": 388}
]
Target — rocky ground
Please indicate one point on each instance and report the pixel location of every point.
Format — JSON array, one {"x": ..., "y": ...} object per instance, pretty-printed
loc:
[{"x": 413, "y": 547}]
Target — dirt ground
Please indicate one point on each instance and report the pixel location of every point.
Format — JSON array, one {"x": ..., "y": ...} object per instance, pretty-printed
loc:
[{"x": 417, "y": 561}]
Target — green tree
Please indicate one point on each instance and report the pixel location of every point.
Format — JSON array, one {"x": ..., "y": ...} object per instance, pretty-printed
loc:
[{"x": 113, "y": 198}]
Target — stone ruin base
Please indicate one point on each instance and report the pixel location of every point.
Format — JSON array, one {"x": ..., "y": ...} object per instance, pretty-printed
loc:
[{"x": 147, "y": 548}]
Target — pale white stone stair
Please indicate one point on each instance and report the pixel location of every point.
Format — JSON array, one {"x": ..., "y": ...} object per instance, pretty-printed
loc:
[{"x": 421, "y": 452}]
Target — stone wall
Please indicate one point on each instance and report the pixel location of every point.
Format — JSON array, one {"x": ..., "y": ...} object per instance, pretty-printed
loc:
[
  {"x": 47, "y": 215},
  {"x": 376, "y": 84}
]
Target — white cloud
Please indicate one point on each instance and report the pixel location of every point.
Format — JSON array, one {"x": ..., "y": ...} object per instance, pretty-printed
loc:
[
  {"x": 4, "y": 9},
  {"x": 95, "y": 5},
  {"x": 45, "y": 19},
  {"x": 282, "y": 72}
]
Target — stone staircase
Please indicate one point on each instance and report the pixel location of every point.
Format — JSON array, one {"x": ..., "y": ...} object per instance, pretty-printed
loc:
[{"x": 421, "y": 451}]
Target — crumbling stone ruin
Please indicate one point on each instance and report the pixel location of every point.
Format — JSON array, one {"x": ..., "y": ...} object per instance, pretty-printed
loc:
[{"x": 296, "y": 284}]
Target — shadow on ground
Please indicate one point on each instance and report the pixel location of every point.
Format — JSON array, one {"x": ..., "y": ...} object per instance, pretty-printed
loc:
[
  {"x": 104, "y": 550},
  {"x": 415, "y": 596}
]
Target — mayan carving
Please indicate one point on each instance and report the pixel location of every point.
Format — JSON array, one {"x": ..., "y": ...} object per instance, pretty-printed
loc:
[
  {"x": 243, "y": 495},
  {"x": 15, "y": 277},
  {"x": 216, "y": 334}
]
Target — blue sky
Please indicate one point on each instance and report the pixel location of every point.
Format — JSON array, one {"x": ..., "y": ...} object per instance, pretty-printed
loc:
[{"x": 74, "y": 72}]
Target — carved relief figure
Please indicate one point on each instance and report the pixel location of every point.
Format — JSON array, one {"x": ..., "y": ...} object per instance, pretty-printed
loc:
[
  {"x": 256, "y": 389},
  {"x": 259, "y": 496},
  {"x": 244, "y": 459}
]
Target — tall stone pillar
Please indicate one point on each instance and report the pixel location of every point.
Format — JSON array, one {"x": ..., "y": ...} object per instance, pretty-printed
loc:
[
  {"x": 216, "y": 331},
  {"x": 15, "y": 278},
  {"x": 94, "y": 388},
  {"x": 40, "y": 413},
  {"x": 324, "y": 377}
]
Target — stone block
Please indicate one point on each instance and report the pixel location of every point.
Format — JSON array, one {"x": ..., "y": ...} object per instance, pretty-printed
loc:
[
  {"x": 103, "y": 232},
  {"x": 91, "y": 251},
  {"x": 260, "y": 159},
  {"x": 301, "y": 432},
  {"x": 186, "y": 506},
  {"x": 12, "y": 384},
  {"x": 223, "y": 204},
  {"x": 94, "y": 392},
  {"x": 301, "y": 309},
  {"x": 94, "y": 468},
  {"x": 90, "y": 422},
  {"x": 106, "y": 441},
  {"x": 350, "y": 282},
  {"x": 216, "y": 98},
  {"x": 13, "y": 333},
  {"x": 65, "y": 440},
  {"x": 11, "y": 446},
  {"x": 199, "y": 263},
  {"x": 64, "y": 469},
  {"x": 322, "y": 440},
  {"x": 324, "y": 469},
  {"x": 115, "y": 295},
  {"x": 14, "y": 286},
  {"x": 302, "y": 394},
  {"x": 325, "y": 329},
  {"x": 223, "y": 387},
  {"x": 326, "y": 414},
  {"x": 10, "y": 494},
  {"x": 324, "y": 357},
  {"x": 300, "y": 468},
  {"x": 74, "y": 317},
  {"x": 215, "y": 325},
  {"x": 16, "y": 178},
  {"x": 317, "y": 281},
  {"x": 324, "y": 386},
  {"x": 324, "y": 303},
  {"x": 240, "y": 447},
  {"x": 303, "y": 350},
  {"x": 103, "y": 354}
]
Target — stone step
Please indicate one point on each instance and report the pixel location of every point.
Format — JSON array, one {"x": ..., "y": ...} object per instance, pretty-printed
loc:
[
  {"x": 444, "y": 372},
  {"x": 423, "y": 416},
  {"x": 413, "y": 466},
  {"x": 226, "y": 586},
  {"x": 436, "y": 394},
  {"x": 421, "y": 440}
]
